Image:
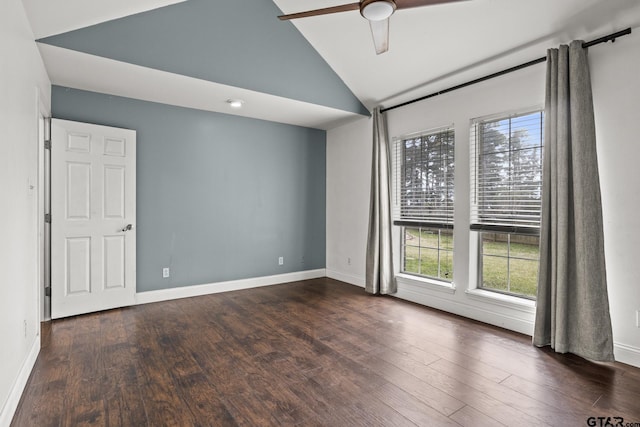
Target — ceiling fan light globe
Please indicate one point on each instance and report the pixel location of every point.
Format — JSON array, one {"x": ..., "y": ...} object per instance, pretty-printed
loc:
[{"x": 378, "y": 10}]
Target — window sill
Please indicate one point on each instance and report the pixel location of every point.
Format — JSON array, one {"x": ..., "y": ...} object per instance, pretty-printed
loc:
[
  {"x": 423, "y": 282},
  {"x": 509, "y": 301}
]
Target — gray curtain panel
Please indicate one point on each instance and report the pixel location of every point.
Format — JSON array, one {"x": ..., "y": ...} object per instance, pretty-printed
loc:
[
  {"x": 380, "y": 278},
  {"x": 572, "y": 313}
]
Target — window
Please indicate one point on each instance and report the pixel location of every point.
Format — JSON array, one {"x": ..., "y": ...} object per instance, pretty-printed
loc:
[
  {"x": 509, "y": 263},
  {"x": 506, "y": 200},
  {"x": 423, "y": 202},
  {"x": 428, "y": 252}
]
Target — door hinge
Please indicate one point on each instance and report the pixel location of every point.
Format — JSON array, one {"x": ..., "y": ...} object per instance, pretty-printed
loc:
[
  {"x": 47, "y": 291},
  {"x": 47, "y": 144},
  {"x": 47, "y": 218}
]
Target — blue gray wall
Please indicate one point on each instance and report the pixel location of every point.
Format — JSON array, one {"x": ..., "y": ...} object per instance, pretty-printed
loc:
[
  {"x": 237, "y": 43},
  {"x": 219, "y": 197}
]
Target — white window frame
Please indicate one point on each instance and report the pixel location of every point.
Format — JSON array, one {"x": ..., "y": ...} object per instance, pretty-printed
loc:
[
  {"x": 434, "y": 283},
  {"x": 475, "y": 290}
]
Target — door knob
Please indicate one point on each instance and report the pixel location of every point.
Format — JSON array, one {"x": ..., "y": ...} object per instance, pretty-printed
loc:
[{"x": 127, "y": 228}]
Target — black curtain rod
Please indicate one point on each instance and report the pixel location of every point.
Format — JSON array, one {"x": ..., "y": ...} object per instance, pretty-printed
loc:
[{"x": 611, "y": 37}]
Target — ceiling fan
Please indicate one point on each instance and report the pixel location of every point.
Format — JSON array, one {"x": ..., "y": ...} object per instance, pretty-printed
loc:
[{"x": 377, "y": 12}]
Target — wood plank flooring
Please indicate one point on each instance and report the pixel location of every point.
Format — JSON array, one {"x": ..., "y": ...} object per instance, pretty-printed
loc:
[{"x": 312, "y": 353}]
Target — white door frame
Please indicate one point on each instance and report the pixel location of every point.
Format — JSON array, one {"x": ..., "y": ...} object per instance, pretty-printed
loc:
[{"x": 43, "y": 116}]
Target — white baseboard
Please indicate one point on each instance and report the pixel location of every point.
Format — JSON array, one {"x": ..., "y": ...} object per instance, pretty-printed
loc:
[
  {"x": 10, "y": 406},
  {"x": 627, "y": 354},
  {"x": 347, "y": 278},
  {"x": 514, "y": 320},
  {"x": 498, "y": 317},
  {"x": 233, "y": 285}
]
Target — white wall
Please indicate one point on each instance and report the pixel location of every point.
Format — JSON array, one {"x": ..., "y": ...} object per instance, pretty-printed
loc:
[
  {"x": 615, "y": 76},
  {"x": 616, "y": 85},
  {"x": 22, "y": 76},
  {"x": 348, "y": 186}
]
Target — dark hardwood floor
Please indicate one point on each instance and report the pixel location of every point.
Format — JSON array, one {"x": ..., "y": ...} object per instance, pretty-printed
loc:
[{"x": 312, "y": 353}]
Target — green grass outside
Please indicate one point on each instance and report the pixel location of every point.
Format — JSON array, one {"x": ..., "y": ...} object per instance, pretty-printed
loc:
[
  {"x": 421, "y": 253},
  {"x": 421, "y": 257},
  {"x": 523, "y": 272}
]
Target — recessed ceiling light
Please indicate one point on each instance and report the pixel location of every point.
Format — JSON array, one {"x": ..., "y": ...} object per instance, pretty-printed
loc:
[{"x": 235, "y": 103}]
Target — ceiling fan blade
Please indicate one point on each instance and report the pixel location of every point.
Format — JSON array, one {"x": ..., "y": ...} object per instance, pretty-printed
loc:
[
  {"x": 406, "y": 4},
  {"x": 324, "y": 11},
  {"x": 380, "y": 33}
]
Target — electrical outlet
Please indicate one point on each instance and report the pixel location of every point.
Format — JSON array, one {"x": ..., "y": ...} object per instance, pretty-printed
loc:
[
  {"x": 281, "y": 260},
  {"x": 166, "y": 272},
  {"x": 637, "y": 318},
  {"x": 349, "y": 261}
]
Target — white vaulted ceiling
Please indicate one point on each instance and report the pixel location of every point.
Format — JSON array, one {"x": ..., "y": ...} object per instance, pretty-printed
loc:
[
  {"x": 435, "y": 47},
  {"x": 431, "y": 48}
]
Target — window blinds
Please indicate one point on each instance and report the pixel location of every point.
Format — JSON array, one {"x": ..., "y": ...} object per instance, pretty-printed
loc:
[
  {"x": 506, "y": 173},
  {"x": 423, "y": 176}
]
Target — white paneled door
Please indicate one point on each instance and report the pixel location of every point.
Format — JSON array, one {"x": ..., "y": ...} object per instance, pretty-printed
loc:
[{"x": 93, "y": 212}]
